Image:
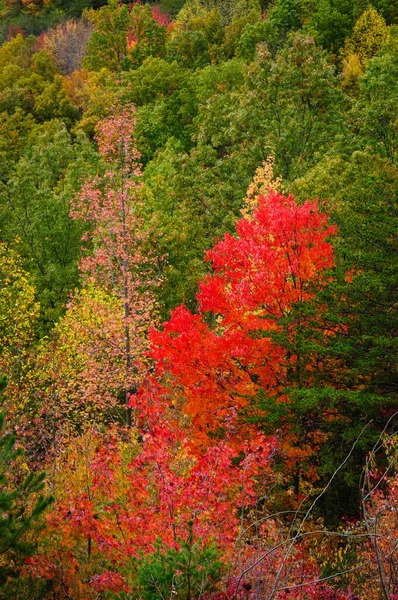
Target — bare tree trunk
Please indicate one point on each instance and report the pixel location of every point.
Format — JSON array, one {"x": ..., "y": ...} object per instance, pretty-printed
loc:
[{"x": 372, "y": 531}]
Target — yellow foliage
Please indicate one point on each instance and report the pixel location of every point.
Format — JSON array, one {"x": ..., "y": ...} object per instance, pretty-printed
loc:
[
  {"x": 72, "y": 473},
  {"x": 85, "y": 360},
  {"x": 18, "y": 308},
  {"x": 94, "y": 94},
  {"x": 34, "y": 7},
  {"x": 352, "y": 71},
  {"x": 369, "y": 34},
  {"x": 262, "y": 183},
  {"x": 228, "y": 9}
]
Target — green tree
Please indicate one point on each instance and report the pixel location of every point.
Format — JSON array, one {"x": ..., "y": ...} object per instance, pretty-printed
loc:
[
  {"x": 251, "y": 36},
  {"x": 123, "y": 37},
  {"x": 291, "y": 106},
  {"x": 171, "y": 7},
  {"x": 18, "y": 309},
  {"x": 234, "y": 30},
  {"x": 229, "y": 10},
  {"x": 14, "y": 129},
  {"x": 333, "y": 20},
  {"x": 190, "y": 49},
  {"x": 376, "y": 110},
  {"x": 107, "y": 46},
  {"x": 19, "y": 313},
  {"x": 22, "y": 504},
  {"x": 30, "y": 82},
  {"x": 361, "y": 357},
  {"x": 284, "y": 16},
  {"x": 53, "y": 103},
  {"x": 146, "y": 36},
  {"x": 35, "y": 207},
  {"x": 185, "y": 573},
  {"x": 166, "y": 99}
]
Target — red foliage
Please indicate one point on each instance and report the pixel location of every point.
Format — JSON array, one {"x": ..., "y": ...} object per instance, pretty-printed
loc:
[
  {"x": 15, "y": 30},
  {"x": 198, "y": 466},
  {"x": 118, "y": 264},
  {"x": 277, "y": 259},
  {"x": 108, "y": 581},
  {"x": 160, "y": 16},
  {"x": 165, "y": 492}
]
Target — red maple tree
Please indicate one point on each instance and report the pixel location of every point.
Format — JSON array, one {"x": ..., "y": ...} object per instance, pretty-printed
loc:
[{"x": 217, "y": 361}]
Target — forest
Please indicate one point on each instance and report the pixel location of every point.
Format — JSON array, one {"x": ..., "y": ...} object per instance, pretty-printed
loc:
[{"x": 198, "y": 300}]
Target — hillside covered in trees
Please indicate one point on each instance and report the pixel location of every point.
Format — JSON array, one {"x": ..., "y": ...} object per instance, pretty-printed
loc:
[{"x": 198, "y": 300}]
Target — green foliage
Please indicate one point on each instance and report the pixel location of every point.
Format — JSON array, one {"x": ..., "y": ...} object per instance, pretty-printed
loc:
[
  {"x": 229, "y": 10},
  {"x": 284, "y": 16},
  {"x": 376, "y": 111},
  {"x": 190, "y": 49},
  {"x": 166, "y": 99},
  {"x": 361, "y": 354},
  {"x": 233, "y": 31},
  {"x": 31, "y": 24},
  {"x": 123, "y": 38},
  {"x": 53, "y": 103},
  {"x": 171, "y": 7},
  {"x": 251, "y": 36},
  {"x": 107, "y": 46},
  {"x": 191, "y": 195},
  {"x": 22, "y": 505},
  {"x": 29, "y": 82},
  {"x": 297, "y": 114},
  {"x": 18, "y": 308},
  {"x": 35, "y": 209},
  {"x": 14, "y": 130},
  {"x": 155, "y": 80},
  {"x": 182, "y": 574},
  {"x": 147, "y": 36},
  {"x": 333, "y": 21},
  {"x": 363, "y": 195}
]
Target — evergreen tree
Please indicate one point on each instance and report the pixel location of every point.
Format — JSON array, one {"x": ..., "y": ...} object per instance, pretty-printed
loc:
[{"x": 22, "y": 503}]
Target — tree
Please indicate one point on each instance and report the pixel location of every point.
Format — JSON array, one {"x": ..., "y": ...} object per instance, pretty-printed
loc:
[
  {"x": 18, "y": 319},
  {"x": 171, "y": 7},
  {"x": 78, "y": 375},
  {"x": 13, "y": 133},
  {"x": 107, "y": 46},
  {"x": 94, "y": 93},
  {"x": 197, "y": 43},
  {"x": 284, "y": 17},
  {"x": 360, "y": 193},
  {"x": 29, "y": 81},
  {"x": 22, "y": 505},
  {"x": 333, "y": 21},
  {"x": 300, "y": 106},
  {"x": 146, "y": 34},
  {"x": 376, "y": 109},
  {"x": 277, "y": 261},
  {"x": 368, "y": 36},
  {"x": 67, "y": 43},
  {"x": 123, "y": 37},
  {"x": 228, "y": 10},
  {"x": 35, "y": 212},
  {"x": 109, "y": 205}
]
